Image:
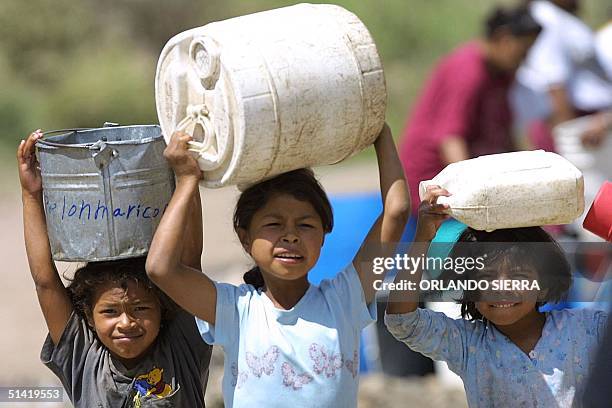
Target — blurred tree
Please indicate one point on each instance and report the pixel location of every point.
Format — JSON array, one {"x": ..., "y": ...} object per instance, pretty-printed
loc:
[
  {"x": 78, "y": 63},
  {"x": 36, "y": 36},
  {"x": 107, "y": 87},
  {"x": 151, "y": 23}
]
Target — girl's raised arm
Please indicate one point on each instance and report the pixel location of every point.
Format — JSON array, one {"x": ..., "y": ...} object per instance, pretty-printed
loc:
[
  {"x": 431, "y": 216},
  {"x": 388, "y": 228},
  {"x": 194, "y": 236},
  {"x": 174, "y": 269},
  {"x": 52, "y": 295}
]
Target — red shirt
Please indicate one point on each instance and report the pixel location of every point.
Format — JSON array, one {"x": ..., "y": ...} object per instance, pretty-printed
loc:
[{"x": 463, "y": 98}]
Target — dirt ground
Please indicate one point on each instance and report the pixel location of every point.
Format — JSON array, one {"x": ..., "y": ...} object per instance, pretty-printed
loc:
[{"x": 23, "y": 328}]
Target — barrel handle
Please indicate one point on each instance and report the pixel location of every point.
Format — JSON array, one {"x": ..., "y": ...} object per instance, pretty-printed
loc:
[{"x": 198, "y": 115}]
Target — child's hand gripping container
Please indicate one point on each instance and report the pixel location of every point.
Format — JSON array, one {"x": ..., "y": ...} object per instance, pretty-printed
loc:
[
  {"x": 104, "y": 190},
  {"x": 511, "y": 190},
  {"x": 271, "y": 92}
]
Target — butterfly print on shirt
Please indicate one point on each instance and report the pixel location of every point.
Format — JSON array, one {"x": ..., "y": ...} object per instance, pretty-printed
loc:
[
  {"x": 353, "y": 365},
  {"x": 293, "y": 380},
  {"x": 238, "y": 377},
  {"x": 324, "y": 362},
  {"x": 264, "y": 364}
]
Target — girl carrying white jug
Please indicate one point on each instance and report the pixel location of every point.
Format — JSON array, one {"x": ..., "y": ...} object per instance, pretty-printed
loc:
[{"x": 507, "y": 352}]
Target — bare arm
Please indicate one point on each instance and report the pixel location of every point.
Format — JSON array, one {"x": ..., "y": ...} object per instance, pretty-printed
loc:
[
  {"x": 598, "y": 130},
  {"x": 390, "y": 225},
  {"x": 52, "y": 295},
  {"x": 562, "y": 109},
  {"x": 453, "y": 149},
  {"x": 166, "y": 261},
  {"x": 431, "y": 216},
  {"x": 192, "y": 249}
]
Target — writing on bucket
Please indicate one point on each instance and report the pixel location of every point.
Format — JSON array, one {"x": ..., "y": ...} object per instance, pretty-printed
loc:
[{"x": 85, "y": 210}]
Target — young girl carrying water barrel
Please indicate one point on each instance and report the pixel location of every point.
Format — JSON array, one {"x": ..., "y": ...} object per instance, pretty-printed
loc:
[{"x": 286, "y": 342}]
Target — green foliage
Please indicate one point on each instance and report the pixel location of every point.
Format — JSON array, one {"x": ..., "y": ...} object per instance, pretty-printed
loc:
[
  {"x": 67, "y": 63},
  {"x": 105, "y": 87}
]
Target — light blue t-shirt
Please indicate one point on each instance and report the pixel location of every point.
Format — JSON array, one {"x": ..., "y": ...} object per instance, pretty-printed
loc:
[
  {"x": 495, "y": 372},
  {"x": 303, "y": 357}
]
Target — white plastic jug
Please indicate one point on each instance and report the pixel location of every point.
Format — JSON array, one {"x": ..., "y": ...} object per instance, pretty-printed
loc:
[
  {"x": 273, "y": 91},
  {"x": 511, "y": 190}
]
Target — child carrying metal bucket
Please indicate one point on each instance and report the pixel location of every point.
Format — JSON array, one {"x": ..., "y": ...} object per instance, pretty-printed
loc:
[{"x": 114, "y": 339}]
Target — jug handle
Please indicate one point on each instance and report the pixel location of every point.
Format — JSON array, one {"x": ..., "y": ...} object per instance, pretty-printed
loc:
[{"x": 197, "y": 114}]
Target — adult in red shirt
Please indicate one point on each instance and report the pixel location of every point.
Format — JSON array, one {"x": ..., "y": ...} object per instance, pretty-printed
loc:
[{"x": 463, "y": 111}]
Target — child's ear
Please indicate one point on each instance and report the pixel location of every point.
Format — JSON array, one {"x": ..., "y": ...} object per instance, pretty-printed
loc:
[
  {"x": 243, "y": 235},
  {"x": 89, "y": 317}
]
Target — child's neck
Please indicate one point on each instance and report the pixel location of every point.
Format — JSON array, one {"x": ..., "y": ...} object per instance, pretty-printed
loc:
[
  {"x": 285, "y": 294},
  {"x": 526, "y": 332}
]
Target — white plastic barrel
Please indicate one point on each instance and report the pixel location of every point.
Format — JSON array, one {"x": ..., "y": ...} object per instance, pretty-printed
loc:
[
  {"x": 273, "y": 91},
  {"x": 511, "y": 190}
]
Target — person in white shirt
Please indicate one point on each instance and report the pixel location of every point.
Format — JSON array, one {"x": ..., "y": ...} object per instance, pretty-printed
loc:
[{"x": 562, "y": 77}]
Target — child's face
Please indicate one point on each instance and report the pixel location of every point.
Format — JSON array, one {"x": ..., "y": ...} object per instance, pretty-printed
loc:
[
  {"x": 127, "y": 322},
  {"x": 506, "y": 307},
  {"x": 285, "y": 237}
]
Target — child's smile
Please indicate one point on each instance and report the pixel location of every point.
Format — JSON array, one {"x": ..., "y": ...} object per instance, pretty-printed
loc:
[
  {"x": 505, "y": 313},
  {"x": 503, "y": 305}
]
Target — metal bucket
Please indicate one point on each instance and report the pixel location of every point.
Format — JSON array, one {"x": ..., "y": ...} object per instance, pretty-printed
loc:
[{"x": 104, "y": 190}]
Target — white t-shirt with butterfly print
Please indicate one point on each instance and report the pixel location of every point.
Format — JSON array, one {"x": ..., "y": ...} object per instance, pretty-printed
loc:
[{"x": 303, "y": 357}]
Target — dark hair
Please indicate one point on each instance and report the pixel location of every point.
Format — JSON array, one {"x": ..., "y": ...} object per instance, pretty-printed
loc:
[
  {"x": 534, "y": 247},
  {"x": 301, "y": 184},
  {"x": 88, "y": 278},
  {"x": 517, "y": 21}
]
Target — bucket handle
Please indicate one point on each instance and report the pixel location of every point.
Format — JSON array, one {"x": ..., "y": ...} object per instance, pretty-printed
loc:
[
  {"x": 101, "y": 158},
  {"x": 67, "y": 130},
  {"x": 59, "y": 131}
]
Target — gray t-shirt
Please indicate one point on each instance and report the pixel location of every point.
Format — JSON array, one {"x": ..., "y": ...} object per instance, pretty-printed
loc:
[{"x": 173, "y": 374}]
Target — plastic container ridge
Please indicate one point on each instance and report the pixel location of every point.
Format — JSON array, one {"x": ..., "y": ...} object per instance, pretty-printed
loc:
[{"x": 511, "y": 190}]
